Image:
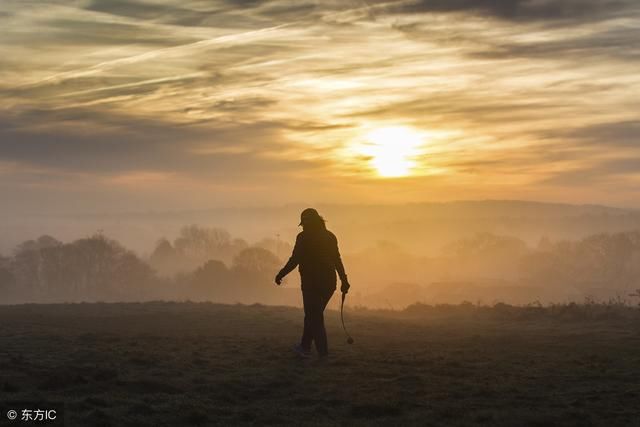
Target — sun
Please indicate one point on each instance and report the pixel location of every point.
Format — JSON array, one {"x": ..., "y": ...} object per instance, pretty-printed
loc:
[{"x": 393, "y": 150}]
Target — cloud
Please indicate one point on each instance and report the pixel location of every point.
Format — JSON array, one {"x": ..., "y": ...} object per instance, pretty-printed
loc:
[
  {"x": 261, "y": 94},
  {"x": 136, "y": 9},
  {"x": 522, "y": 10},
  {"x": 610, "y": 153},
  {"x": 611, "y": 135},
  {"x": 91, "y": 141},
  {"x": 614, "y": 43}
]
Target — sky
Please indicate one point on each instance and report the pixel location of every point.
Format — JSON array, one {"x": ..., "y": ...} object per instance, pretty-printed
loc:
[{"x": 114, "y": 105}]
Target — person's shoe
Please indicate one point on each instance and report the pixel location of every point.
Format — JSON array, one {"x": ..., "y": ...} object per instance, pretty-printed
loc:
[{"x": 301, "y": 351}]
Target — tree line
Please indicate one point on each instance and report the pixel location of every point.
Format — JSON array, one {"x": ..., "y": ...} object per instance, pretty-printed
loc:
[
  {"x": 201, "y": 264},
  {"x": 209, "y": 264}
]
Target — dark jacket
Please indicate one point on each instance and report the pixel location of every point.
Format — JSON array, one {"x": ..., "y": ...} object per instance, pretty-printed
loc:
[{"x": 317, "y": 257}]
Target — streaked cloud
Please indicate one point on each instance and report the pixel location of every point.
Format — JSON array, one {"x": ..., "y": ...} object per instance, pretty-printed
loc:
[
  {"x": 270, "y": 95},
  {"x": 522, "y": 10}
]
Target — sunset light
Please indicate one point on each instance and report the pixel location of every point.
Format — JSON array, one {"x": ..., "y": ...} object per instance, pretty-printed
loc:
[
  {"x": 192, "y": 188},
  {"x": 393, "y": 150}
]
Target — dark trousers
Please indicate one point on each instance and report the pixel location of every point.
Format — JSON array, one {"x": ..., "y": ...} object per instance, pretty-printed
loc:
[{"x": 315, "y": 301}]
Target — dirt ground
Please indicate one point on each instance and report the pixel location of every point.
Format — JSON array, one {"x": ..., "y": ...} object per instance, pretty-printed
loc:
[{"x": 181, "y": 364}]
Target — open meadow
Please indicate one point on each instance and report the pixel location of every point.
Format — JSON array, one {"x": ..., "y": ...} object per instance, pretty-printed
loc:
[{"x": 181, "y": 364}]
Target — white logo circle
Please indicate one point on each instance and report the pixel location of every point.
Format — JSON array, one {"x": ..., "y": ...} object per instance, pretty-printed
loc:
[{"x": 11, "y": 414}]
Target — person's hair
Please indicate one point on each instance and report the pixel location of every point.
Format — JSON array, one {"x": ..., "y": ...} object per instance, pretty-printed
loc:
[{"x": 315, "y": 223}]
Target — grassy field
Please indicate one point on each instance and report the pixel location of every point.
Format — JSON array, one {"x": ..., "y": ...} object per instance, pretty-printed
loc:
[{"x": 205, "y": 364}]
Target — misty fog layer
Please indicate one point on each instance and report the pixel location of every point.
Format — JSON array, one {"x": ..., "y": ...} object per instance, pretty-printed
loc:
[{"x": 481, "y": 252}]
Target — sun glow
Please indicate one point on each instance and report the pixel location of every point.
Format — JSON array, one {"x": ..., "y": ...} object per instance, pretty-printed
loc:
[{"x": 393, "y": 150}]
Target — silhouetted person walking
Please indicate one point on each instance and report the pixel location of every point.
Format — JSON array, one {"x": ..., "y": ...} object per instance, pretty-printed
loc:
[{"x": 317, "y": 256}]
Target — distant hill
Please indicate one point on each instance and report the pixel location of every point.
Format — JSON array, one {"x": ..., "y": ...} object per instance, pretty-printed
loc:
[{"x": 419, "y": 227}]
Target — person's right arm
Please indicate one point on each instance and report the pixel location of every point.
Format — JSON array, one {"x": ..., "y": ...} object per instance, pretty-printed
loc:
[
  {"x": 293, "y": 262},
  {"x": 341, "y": 272}
]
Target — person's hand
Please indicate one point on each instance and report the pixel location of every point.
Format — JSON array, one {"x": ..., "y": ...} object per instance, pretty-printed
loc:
[
  {"x": 278, "y": 279},
  {"x": 345, "y": 287}
]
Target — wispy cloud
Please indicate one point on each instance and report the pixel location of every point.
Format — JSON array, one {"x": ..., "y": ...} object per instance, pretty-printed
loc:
[{"x": 250, "y": 93}]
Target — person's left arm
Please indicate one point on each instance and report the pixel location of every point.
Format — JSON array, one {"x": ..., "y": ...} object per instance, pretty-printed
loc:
[{"x": 293, "y": 262}]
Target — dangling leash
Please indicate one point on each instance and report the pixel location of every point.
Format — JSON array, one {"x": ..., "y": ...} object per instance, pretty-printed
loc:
[{"x": 349, "y": 339}]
